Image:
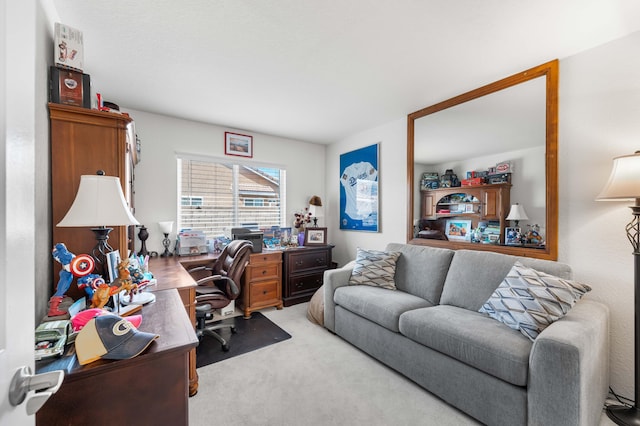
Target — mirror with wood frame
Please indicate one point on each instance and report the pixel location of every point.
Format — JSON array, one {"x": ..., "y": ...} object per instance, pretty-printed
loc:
[{"x": 514, "y": 98}]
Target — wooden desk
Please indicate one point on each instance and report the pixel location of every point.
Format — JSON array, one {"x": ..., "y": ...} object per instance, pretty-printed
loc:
[
  {"x": 151, "y": 388},
  {"x": 170, "y": 272}
]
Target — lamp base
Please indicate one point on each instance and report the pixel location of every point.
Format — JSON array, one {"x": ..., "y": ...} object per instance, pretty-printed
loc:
[
  {"x": 623, "y": 415},
  {"x": 166, "y": 243}
]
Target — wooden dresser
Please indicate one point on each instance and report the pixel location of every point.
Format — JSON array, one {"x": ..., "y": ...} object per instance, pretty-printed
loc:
[
  {"x": 304, "y": 272},
  {"x": 262, "y": 282},
  {"x": 150, "y": 389}
]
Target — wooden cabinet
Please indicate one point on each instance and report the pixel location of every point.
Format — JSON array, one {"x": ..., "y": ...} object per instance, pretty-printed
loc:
[
  {"x": 84, "y": 141},
  {"x": 149, "y": 389},
  {"x": 475, "y": 203},
  {"x": 262, "y": 282},
  {"x": 304, "y": 272}
]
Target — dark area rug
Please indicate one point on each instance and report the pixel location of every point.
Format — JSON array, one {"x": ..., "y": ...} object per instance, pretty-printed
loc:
[{"x": 251, "y": 334}]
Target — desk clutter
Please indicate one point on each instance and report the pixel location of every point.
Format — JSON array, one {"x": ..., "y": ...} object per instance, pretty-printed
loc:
[{"x": 101, "y": 323}]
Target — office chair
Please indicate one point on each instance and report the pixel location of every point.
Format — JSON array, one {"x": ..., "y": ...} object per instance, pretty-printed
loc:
[{"x": 219, "y": 284}]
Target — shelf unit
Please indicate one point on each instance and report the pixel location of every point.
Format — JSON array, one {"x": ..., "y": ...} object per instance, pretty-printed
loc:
[{"x": 480, "y": 203}]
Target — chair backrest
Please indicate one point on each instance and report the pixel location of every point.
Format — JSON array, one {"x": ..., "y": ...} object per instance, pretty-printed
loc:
[{"x": 233, "y": 260}]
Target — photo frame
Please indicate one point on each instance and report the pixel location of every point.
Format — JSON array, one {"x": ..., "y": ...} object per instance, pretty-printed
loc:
[
  {"x": 113, "y": 258},
  {"x": 359, "y": 181},
  {"x": 512, "y": 236},
  {"x": 315, "y": 237},
  {"x": 458, "y": 230},
  {"x": 238, "y": 145}
]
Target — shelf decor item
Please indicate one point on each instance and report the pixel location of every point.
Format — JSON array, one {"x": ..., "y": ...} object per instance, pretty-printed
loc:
[
  {"x": 315, "y": 209},
  {"x": 165, "y": 228},
  {"x": 624, "y": 185},
  {"x": 458, "y": 230},
  {"x": 237, "y": 144},
  {"x": 517, "y": 214}
]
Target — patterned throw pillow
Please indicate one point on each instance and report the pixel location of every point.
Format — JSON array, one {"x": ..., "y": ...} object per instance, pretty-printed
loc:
[
  {"x": 375, "y": 268},
  {"x": 529, "y": 301}
]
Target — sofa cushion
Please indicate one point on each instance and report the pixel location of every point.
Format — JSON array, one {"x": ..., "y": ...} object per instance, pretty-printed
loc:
[
  {"x": 529, "y": 300},
  {"x": 471, "y": 338},
  {"x": 421, "y": 270},
  {"x": 474, "y": 275},
  {"x": 380, "y": 305},
  {"x": 374, "y": 267}
]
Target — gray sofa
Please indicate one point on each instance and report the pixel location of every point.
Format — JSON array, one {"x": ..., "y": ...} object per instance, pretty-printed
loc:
[{"x": 430, "y": 330}]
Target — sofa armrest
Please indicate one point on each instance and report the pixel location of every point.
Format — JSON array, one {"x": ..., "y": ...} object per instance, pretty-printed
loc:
[
  {"x": 333, "y": 279},
  {"x": 569, "y": 368}
]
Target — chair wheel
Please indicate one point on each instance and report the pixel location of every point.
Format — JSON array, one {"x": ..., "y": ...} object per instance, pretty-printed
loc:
[
  {"x": 233, "y": 330},
  {"x": 225, "y": 348}
]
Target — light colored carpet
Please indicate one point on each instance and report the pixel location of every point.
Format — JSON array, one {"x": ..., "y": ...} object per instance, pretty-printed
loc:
[{"x": 314, "y": 378}]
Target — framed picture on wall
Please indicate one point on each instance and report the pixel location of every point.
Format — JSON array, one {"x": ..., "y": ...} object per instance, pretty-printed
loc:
[
  {"x": 237, "y": 144},
  {"x": 359, "y": 189}
]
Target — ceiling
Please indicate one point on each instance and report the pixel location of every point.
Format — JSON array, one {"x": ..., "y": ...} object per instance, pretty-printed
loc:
[{"x": 320, "y": 71}]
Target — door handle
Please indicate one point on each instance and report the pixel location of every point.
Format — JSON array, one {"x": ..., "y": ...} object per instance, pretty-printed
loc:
[{"x": 35, "y": 388}]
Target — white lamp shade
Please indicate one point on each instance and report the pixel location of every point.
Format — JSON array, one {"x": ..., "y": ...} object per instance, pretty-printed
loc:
[
  {"x": 517, "y": 213},
  {"x": 624, "y": 181},
  {"x": 315, "y": 211},
  {"x": 166, "y": 227},
  {"x": 99, "y": 202}
]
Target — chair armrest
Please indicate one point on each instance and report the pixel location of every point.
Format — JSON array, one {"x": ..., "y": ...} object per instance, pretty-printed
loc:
[
  {"x": 333, "y": 279},
  {"x": 569, "y": 368},
  {"x": 205, "y": 280}
]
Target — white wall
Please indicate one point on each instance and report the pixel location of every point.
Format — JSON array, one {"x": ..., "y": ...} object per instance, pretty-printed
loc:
[
  {"x": 156, "y": 174},
  {"x": 599, "y": 119}
]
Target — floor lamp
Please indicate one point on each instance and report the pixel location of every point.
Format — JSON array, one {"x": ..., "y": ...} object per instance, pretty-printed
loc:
[
  {"x": 99, "y": 203},
  {"x": 624, "y": 184}
]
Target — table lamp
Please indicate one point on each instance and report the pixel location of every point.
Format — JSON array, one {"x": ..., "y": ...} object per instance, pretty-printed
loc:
[
  {"x": 99, "y": 203},
  {"x": 165, "y": 228},
  {"x": 624, "y": 184},
  {"x": 315, "y": 209},
  {"x": 517, "y": 214}
]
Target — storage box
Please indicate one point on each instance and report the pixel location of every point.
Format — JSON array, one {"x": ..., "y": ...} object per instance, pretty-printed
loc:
[
  {"x": 229, "y": 309},
  {"x": 191, "y": 243},
  {"x": 70, "y": 87},
  {"x": 68, "y": 47},
  {"x": 472, "y": 181}
]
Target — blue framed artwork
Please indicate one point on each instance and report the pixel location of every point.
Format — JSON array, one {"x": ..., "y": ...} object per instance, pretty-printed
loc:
[{"x": 359, "y": 189}]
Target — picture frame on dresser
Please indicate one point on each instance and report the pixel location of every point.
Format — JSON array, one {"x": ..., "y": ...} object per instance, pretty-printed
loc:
[
  {"x": 458, "y": 230},
  {"x": 315, "y": 237}
]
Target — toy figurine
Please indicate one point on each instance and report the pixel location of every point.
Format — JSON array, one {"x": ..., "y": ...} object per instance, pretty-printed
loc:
[
  {"x": 102, "y": 294},
  {"x": 72, "y": 266}
]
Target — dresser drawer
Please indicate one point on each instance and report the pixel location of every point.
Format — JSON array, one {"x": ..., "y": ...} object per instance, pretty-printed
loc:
[
  {"x": 306, "y": 283},
  {"x": 258, "y": 258},
  {"x": 262, "y": 271},
  {"x": 305, "y": 261},
  {"x": 264, "y": 291}
]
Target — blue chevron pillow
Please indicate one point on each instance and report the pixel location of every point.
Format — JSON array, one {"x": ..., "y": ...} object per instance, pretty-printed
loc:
[{"x": 529, "y": 301}]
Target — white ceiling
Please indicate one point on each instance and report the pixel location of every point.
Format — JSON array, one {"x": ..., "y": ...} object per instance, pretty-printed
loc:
[{"x": 319, "y": 71}]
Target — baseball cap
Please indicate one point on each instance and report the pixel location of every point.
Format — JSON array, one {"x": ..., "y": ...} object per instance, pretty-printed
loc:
[
  {"x": 110, "y": 337},
  {"x": 79, "y": 320}
]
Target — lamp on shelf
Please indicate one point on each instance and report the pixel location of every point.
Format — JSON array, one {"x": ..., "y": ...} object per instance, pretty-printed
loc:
[
  {"x": 517, "y": 214},
  {"x": 315, "y": 209},
  {"x": 165, "y": 228},
  {"x": 624, "y": 184},
  {"x": 99, "y": 203}
]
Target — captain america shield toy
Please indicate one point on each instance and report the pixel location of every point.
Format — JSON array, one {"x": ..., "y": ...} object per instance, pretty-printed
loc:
[{"x": 82, "y": 265}]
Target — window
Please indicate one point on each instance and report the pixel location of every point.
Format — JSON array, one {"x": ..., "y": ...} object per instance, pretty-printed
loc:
[{"x": 215, "y": 194}]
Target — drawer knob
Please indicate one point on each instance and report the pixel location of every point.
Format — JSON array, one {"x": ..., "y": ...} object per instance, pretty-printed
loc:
[
  {"x": 264, "y": 291},
  {"x": 299, "y": 263},
  {"x": 264, "y": 272}
]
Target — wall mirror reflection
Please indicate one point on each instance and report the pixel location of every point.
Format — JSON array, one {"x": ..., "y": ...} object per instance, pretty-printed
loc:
[{"x": 499, "y": 144}]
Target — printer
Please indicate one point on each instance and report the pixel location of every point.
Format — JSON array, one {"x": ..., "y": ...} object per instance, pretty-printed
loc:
[{"x": 250, "y": 235}]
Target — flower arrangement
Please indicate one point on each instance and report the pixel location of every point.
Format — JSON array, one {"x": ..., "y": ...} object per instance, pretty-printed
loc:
[{"x": 302, "y": 218}]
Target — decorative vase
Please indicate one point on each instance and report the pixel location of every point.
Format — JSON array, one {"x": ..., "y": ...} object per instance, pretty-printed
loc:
[{"x": 301, "y": 238}]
